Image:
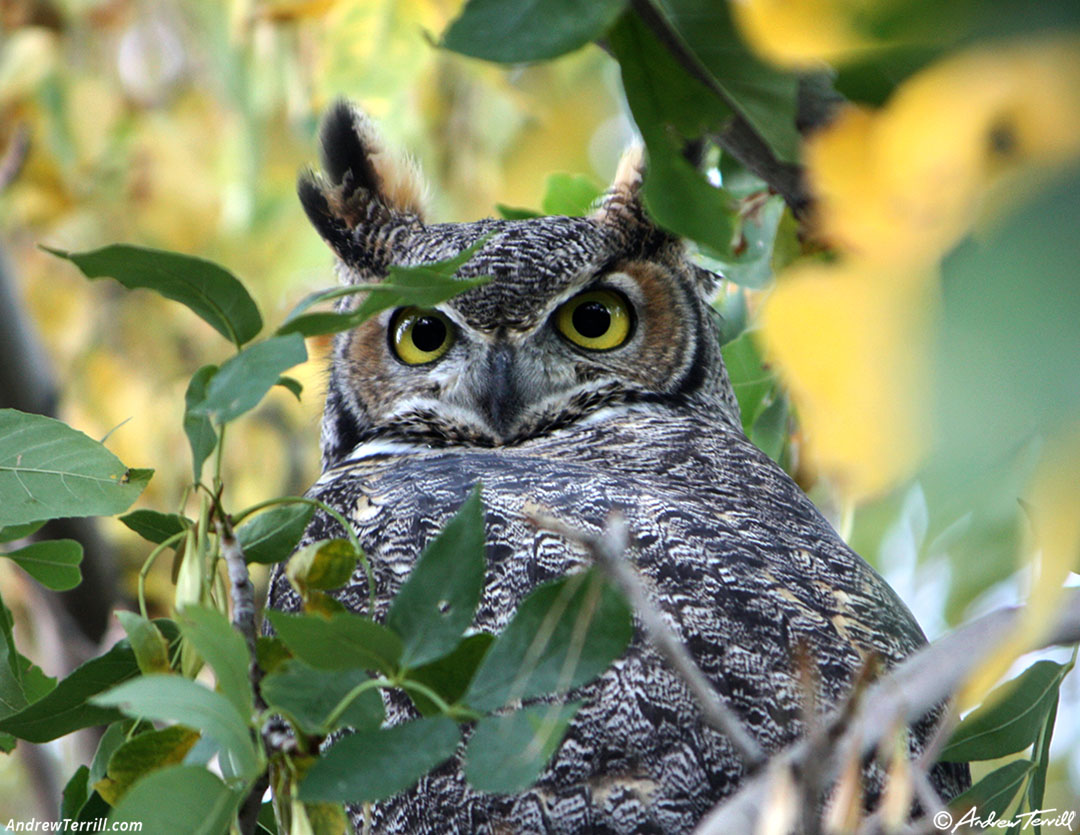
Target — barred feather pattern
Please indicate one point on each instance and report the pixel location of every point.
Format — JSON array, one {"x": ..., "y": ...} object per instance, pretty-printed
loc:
[{"x": 739, "y": 560}]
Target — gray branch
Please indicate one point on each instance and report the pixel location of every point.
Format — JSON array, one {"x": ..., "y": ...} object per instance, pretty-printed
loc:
[{"x": 907, "y": 693}]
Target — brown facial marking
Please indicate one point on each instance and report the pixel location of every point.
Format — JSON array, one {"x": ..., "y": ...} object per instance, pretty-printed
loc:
[
  {"x": 372, "y": 372},
  {"x": 663, "y": 333}
]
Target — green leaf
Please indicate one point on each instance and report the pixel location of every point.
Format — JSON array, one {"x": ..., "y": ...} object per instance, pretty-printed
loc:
[
  {"x": 68, "y": 707},
  {"x": 375, "y": 764},
  {"x": 180, "y": 798},
  {"x": 197, "y": 425},
  {"x": 149, "y": 645},
  {"x": 75, "y": 794},
  {"x": 563, "y": 634},
  {"x": 756, "y": 387},
  {"x": 670, "y": 108},
  {"x": 423, "y": 286},
  {"x": 15, "y": 532},
  {"x": 770, "y": 431},
  {"x": 270, "y": 653},
  {"x": 210, "y": 291},
  {"x": 1010, "y": 718},
  {"x": 569, "y": 194},
  {"x": 223, "y": 648},
  {"x": 142, "y": 755},
  {"x": 438, "y": 600},
  {"x": 309, "y": 696},
  {"x": 49, "y": 470},
  {"x": 168, "y": 698},
  {"x": 156, "y": 527},
  {"x": 115, "y": 735},
  {"x": 753, "y": 267},
  {"x": 242, "y": 380},
  {"x": 517, "y": 31},
  {"x": 93, "y": 810},
  {"x": 507, "y": 753},
  {"x": 1009, "y": 294},
  {"x": 514, "y": 213},
  {"x": 450, "y": 675},
  {"x": 52, "y": 562},
  {"x": 292, "y": 384},
  {"x": 20, "y": 682},
  {"x": 733, "y": 316},
  {"x": 994, "y": 792},
  {"x": 762, "y": 94},
  {"x": 338, "y": 643},
  {"x": 272, "y": 536},
  {"x": 1041, "y": 753},
  {"x": 323, "y": 565}
]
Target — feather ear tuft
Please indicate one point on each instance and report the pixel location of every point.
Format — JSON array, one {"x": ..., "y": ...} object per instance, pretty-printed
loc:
[
  {"x": 364, "y": 191},
  {"x": 623, "y": 198},
  {"x": 355, "y": 157}
]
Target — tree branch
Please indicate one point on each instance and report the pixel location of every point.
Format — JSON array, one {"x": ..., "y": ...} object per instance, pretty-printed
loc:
[{"x": 908, "y": 692}]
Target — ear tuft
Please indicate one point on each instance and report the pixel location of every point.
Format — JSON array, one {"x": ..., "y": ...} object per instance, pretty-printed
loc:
[
  {"x": 355, "y": 157},
  {"x": 330, "y": 224},
  {"x": 348, "y": 141},
  {"x": 623, "y": 198}
]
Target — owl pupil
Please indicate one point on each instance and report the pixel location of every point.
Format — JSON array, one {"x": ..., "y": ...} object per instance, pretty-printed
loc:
[
  {"x": 592, "y": 319},
  {"x": 429, "y": 333}
]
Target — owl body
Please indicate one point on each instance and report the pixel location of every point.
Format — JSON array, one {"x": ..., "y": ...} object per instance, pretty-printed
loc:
[{"x": 528, "y": 397}]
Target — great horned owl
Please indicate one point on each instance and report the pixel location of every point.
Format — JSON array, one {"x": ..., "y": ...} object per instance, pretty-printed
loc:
[{"x": 586, "y": 376}]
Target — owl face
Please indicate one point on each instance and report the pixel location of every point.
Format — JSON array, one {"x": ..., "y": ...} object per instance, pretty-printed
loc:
[{"x": 579, "y": 316}]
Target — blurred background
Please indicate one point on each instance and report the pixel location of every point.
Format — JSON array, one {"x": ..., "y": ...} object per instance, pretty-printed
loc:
[{"x": 182, "y": 126}]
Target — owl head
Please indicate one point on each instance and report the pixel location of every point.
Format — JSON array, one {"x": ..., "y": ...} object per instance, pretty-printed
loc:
[{"x": 581, "y": 318}]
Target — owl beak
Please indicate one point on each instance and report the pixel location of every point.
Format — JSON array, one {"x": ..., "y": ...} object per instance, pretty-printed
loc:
[{"x": 500, "y": 398}]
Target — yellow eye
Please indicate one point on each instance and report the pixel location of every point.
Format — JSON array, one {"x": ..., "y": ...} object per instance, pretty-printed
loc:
[
  {"x": 596, "y": 319},
  {"x": 419, "y": 336}
]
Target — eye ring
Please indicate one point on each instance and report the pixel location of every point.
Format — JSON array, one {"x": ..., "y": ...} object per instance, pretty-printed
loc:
[
  {"x": 418, "y": 336},
  {"x": 597, "y": 320}
]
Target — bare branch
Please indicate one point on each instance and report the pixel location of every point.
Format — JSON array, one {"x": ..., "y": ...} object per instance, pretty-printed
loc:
[
  {"x": 242, "y": 593},
  {"x": 907, "y": 693},
  {"x": 607, "y": 550},
  {"x": 241, "y": 590}
]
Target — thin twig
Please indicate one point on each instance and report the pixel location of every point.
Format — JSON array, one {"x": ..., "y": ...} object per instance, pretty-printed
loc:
[{"x": 607, "y": 550}]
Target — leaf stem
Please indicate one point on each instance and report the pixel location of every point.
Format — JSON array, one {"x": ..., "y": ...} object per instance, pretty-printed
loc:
[
  {"x": 353, "y": 695},
  {"x": 148, "y": 564}
]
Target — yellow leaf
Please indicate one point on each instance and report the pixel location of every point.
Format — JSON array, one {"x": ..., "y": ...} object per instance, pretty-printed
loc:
[
  {"x": 801, "y": 33},
  {"x": 908, "y": 181},
  {"x": 846, "y": 339}
]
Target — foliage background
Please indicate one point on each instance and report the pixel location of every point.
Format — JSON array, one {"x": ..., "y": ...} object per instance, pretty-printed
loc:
[{"x": 182, "y": 125}]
